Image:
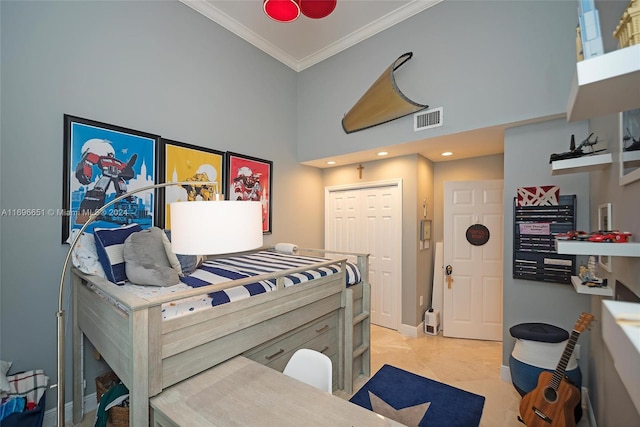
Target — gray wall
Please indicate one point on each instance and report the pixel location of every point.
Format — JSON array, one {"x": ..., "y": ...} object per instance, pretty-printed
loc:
[
  {"x": 526, "y": 164},
  {"x": 485, "y": 62},
  {"x": 613, "y": 406},
  {"x": 162, "y": 68},
  {"x": 425, "y": 255},
  {"x": 152, "y": 66}
]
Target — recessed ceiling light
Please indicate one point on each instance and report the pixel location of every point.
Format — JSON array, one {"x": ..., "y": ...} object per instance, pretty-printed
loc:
[
  {"x": 447, "y": 153},
  {"x": 383, "y": 153},
  {"x": 331, "y": 162}
]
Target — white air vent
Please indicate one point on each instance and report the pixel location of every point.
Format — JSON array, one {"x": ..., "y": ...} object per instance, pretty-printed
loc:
[{"x": 427, "y": 119}]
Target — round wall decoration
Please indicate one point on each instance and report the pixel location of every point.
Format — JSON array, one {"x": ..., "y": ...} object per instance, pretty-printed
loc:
[{"x": 478, "y": 234}]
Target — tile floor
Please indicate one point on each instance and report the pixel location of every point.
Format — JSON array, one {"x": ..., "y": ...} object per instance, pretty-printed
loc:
[
  {"x": 470, "y": 365},
  {"x": 467, "y": 364}
]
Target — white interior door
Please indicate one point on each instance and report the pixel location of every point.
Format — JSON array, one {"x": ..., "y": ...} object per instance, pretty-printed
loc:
[
  {"x": 368, "y": 219},
  {"x": 472, "y": 300}
]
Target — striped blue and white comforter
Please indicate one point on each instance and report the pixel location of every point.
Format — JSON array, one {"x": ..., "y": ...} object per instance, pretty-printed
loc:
[
  {"x": 224, "y": 270},
  {"x": 263, "y": 262}
]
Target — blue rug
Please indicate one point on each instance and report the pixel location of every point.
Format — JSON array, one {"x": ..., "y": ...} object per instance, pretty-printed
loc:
[{"x": 404, "y": 397}]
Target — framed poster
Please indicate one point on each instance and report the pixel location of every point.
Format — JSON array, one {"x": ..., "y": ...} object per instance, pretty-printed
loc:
[
  {"x": 102, "y": 162},
  {"x": 249, "y": 178},
  {"x": 604, "y": 224},
  {"x": 629, "y": 146},
  {"x": 186, "y": 162}
]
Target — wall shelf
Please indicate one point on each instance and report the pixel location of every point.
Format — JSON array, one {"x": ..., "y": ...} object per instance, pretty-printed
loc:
[
  {"x": 584, "y": 289},
  {"x": 574, "y": 247},
  {"x": 581, "y": 164},
  {"x": 605, "y": 84},
  {"x": 623, "y": 340}
]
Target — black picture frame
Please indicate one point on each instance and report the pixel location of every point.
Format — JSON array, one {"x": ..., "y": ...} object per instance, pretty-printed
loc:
[
  {"x": 102, "y": 161},
  {"x": 185, "y": 162},
  {"x": 250, "y": 178}
]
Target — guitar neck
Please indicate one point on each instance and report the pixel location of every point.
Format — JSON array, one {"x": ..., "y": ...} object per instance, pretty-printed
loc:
[{"x": 558, "y": 375}]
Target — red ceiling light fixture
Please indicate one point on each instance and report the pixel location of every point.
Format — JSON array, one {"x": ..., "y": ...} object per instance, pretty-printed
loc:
[
  {"x": 317, "y": 9},
  {"x": 289, "y": 10},
  {"x": 281, "y": 10}
]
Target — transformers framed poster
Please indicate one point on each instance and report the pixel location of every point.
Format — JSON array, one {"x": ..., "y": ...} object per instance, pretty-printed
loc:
[
  {"x": 186, "y": 162},
  {"x": 102, "y": 162},
  {"x": 250, "y": 178}
]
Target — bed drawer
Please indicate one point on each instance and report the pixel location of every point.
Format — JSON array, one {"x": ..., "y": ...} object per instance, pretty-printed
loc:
[
  {"x": 320, "y": 343},
  {"x": 326, "y": 343},
  {"x": 323, "y": 333}
]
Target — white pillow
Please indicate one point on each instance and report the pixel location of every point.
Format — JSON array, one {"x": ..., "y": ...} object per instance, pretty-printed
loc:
[
  {"x": 85, "y": 256},
  {"x": 4, "y": 382}
]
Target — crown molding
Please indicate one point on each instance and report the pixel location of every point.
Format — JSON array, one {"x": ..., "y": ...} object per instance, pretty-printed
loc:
[
  {"x": 363, "y": 33},
  {"x": 207, "y": 9}
]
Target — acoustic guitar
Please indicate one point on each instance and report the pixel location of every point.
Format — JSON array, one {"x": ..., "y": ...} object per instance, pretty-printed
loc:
[{"x": 552, "y": 402}]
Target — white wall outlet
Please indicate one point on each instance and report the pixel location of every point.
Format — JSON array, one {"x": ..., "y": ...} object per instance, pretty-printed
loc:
[{"x": 421, "y": 301}]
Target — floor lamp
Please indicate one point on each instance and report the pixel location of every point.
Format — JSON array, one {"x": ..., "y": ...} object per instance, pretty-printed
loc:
[{"x": 197, "y": 228}]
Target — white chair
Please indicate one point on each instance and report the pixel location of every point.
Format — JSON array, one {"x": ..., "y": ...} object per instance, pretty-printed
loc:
[{"x": 311, "y": 367}]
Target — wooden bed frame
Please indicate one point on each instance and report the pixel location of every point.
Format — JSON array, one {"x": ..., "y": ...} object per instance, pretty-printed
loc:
[{"x": 149, "y": 354}]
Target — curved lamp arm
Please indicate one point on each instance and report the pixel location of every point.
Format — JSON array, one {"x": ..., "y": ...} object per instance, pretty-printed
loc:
[{"x": 60, "y": 313}]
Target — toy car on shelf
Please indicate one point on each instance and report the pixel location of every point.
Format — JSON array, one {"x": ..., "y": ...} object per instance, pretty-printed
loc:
[
  {"x": 572, "y": 235},
  {"x": 597, "y": 236},
  {"x": 610, "y": 236}
]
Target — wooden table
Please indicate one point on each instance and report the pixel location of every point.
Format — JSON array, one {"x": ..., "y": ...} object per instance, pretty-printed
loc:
[{"x": 241, "y": 392}]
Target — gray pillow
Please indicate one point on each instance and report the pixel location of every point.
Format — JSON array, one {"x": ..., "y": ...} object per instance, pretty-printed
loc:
[{"x": 146, "y": 260}]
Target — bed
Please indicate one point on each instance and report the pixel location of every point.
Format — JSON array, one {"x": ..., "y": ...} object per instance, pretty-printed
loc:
[{"x": 151, "y": 348}]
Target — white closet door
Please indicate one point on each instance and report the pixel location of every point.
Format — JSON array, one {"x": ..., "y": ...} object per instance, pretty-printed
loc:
[{"x": 368, "y": 219}]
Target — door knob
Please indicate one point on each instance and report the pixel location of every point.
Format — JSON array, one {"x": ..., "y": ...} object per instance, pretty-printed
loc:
[{"x": 448, "y": 270}]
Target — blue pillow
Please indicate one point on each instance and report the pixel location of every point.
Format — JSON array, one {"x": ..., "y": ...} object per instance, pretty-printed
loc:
[
  {"x": 110, "y": 247},
  {"x": 188, "y": 263}
]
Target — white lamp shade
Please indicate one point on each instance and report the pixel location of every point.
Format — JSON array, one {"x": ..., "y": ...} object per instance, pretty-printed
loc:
[{"x": 215, "y": 227}]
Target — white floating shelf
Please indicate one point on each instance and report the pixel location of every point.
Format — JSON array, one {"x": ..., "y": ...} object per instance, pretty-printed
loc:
[
  {"x": 622, "y": 336},
  {"x": 575, "y": 247},
  {"x": 605, "y": 84},
  {"x": 584, "y": 289},
  {"x": 581, "y": 164}
]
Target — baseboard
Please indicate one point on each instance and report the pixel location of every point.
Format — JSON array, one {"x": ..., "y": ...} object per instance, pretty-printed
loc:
[
  {"x": 411, "y": 331},
  {"x": 50, "y": 416},
  {"x": 505, "y": 373}
]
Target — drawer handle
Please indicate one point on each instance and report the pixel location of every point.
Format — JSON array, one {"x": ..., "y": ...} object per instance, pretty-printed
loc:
[
  {"x": 326, "y": 347},
  {"x": 321, "y": 330},
  {"x": 277, "y": 353}
]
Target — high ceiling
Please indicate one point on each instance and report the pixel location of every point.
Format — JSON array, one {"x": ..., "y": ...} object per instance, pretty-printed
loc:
[{"x": 305, "y": 42}]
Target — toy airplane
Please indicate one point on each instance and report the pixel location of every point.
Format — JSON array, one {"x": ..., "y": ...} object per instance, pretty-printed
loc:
[{"x": 578, "y": 151}]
